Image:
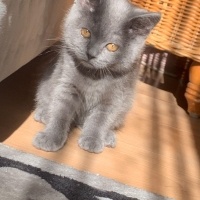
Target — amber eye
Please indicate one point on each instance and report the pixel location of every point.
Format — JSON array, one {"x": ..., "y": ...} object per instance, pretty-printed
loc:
[
  {"x": 85, "y": 33},
  {"x": 112, "y": 47}
]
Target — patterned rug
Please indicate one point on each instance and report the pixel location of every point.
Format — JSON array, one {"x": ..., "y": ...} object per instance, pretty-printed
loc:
[{"x": 27, "y": 177}]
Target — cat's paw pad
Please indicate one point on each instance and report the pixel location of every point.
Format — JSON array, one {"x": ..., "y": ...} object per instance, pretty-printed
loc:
[
  {"x": 91, "y": 144},
  {"x": 110, "y": 139},
  {"x": 40, "y": 117},
  {"x": 47, "y": 142}
]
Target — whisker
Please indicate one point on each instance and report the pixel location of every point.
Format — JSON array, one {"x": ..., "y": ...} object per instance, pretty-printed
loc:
[
  {"x": 101, "y": 73},
  {"x": 108, "y": 71},
  {"x": 104, "y": 72},
  {"x": 54, "y": 39}
]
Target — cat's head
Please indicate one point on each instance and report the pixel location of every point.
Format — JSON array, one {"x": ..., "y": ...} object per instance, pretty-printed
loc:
[{"x": 107, "y": 33}]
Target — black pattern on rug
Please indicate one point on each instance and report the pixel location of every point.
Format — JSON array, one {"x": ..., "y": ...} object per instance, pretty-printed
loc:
[{"x": 71, "y": 189}]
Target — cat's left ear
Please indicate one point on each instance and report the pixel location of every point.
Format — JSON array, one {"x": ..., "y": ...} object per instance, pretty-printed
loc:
[
  {"x": 88, "y": 4},
  {"x": 143, "y": 24}
]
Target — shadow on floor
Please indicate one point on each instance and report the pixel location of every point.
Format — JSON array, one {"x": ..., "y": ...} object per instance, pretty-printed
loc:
[
  {"x": 169, "y": 72},
  {"x": 17, "y": 93}
]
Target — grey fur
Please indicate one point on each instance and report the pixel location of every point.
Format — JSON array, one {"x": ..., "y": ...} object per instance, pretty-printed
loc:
[{"x": 97, "y": 92}]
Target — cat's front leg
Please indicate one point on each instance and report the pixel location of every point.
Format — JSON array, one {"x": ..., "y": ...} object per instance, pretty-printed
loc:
[
  {"x": 62, "y": 111},
  {"x": 97, "y": 131}
]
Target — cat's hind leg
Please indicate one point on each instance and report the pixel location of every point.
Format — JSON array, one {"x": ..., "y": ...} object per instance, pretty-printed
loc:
[
  {"x": 40, "y": 115},
  {"x": 110, "y": 139},
  {"x": 43, "y": 99}
]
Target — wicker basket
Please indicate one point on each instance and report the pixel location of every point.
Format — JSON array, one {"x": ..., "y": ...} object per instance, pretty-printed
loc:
[{"x": 179, "y": 28}]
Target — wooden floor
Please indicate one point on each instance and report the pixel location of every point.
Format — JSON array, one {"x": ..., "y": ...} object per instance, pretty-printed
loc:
[{"x": 158, "y": 149}]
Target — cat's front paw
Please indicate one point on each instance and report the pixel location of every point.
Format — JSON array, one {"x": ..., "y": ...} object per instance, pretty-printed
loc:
[
  {"x": 48, "y": 142},
  {"x": 91, "y": 144}
]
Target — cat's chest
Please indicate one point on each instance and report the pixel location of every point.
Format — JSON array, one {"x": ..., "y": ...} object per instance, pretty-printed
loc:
[{"x": 93, "y": 90}]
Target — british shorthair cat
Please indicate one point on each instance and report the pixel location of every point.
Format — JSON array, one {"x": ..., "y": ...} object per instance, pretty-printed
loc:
[{"x": 92, "y": 83}]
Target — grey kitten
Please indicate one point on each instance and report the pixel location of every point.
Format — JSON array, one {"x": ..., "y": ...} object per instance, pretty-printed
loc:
[{"x": 92, "y": 83}]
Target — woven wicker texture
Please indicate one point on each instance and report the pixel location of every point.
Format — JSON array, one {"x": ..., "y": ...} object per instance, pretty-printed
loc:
[{"x": 179, "y": 29}]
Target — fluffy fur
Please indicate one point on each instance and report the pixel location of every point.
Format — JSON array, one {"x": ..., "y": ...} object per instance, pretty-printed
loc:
[{"x": 91, "y": 86}]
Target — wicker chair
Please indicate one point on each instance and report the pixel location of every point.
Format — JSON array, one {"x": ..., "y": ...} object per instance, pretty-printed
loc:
[{"x": 179, "y": 33}]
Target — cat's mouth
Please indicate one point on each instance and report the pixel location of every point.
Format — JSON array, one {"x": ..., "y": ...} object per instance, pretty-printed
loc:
[{"x": 89, "y": 70}]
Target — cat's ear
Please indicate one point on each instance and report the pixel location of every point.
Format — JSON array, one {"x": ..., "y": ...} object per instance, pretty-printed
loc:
[
  {"x": 88, "y": 4},
  {"x": 143, "y": 24}
]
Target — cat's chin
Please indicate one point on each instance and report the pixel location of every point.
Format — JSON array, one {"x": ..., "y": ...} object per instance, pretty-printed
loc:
[{"x": 90, "y": 65}]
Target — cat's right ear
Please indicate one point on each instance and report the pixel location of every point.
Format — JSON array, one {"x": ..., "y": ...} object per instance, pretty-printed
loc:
[
  {"x": 88, "y": 4},
  {"x": 143, "y": 24}
]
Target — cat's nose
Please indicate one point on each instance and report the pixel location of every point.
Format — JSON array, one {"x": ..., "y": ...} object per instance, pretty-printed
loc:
[{"x": 90, "y": 56}]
